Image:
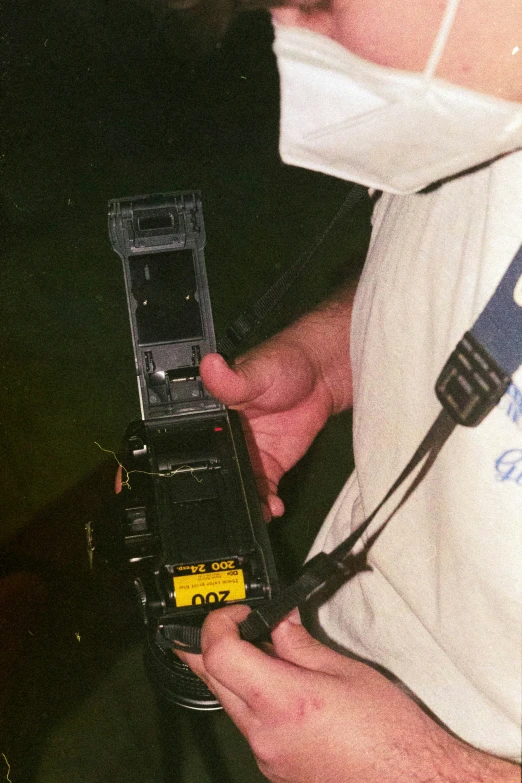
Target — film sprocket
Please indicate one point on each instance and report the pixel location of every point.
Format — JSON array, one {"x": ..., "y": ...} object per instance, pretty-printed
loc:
[{"x": 191, "y": 523}]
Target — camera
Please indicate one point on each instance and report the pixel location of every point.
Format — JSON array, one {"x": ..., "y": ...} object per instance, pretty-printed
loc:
[{"x": 190, "y": 529}]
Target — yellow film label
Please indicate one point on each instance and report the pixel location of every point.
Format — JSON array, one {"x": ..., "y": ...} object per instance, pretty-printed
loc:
[{"x": 200, "y": 583}]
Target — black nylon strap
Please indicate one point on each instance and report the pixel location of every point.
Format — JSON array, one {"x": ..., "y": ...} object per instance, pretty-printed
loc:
[
  {"x": 432, "y": 443},
  {"x": 315, "y": 575},
  {"x": 341, "y": 562},
  {"x": 250, "y": 318}
]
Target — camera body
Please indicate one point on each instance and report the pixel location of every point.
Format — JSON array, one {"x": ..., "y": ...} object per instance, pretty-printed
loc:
[{"x": 191, "y": 529}]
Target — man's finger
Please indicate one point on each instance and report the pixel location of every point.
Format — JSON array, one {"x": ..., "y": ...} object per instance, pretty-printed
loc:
[
  {"x": 233, "y": 704},
  {"x": 262, "y": 682},
  {"x": 275, "y": 505}
]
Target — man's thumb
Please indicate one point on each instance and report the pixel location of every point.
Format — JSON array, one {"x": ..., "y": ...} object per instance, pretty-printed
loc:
[
  {"x": 293, "y": 643},
  {"x": 221, "y": 380},
  {"x": 235, "y": 385}
]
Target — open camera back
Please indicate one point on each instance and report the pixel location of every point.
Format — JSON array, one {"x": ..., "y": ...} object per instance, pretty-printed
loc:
[{"x": 190, "y": 530}]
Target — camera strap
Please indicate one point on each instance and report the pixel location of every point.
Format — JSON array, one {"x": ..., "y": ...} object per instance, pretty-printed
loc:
[
  {"x": 472, "y": 382},
  {"x": 248, "y": 321}
]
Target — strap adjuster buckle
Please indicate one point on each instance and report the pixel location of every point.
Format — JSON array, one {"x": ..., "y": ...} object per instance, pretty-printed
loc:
[{"x": 471, "y": 382}]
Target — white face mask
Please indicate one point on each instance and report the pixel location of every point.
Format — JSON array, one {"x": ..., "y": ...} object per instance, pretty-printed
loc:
[{"x": 381, "y": 127}]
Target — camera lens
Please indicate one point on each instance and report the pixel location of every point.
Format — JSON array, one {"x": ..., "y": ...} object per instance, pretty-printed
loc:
[{"x": 174, "y": 681}]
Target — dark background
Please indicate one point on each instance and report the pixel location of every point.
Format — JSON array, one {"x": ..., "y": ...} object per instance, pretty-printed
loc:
[{"x": 100, "y": 100}]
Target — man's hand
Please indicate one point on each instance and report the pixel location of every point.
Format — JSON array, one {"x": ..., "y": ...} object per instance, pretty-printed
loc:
[
  {"x": 311, "y": 715},
  {"x": 284, "y": 405},
  {"x": 286, "y": 389}
]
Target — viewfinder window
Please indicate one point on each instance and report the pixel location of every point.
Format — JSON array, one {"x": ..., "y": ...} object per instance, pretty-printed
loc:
[{"x": 155, "y": 222}]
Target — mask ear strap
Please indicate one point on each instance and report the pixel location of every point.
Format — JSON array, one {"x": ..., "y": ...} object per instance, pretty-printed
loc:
[{"x": 441, "y": 39}]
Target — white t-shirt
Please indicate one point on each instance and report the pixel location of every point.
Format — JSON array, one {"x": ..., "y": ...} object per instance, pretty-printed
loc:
[{"x": 442, "y": 607}]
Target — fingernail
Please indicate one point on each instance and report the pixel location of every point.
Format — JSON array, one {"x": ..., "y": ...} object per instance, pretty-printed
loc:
[{"x": 294, "y": 617}]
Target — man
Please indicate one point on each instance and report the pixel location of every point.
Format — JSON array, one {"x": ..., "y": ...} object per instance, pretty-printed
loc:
[{"x": 397, "y": 96}]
